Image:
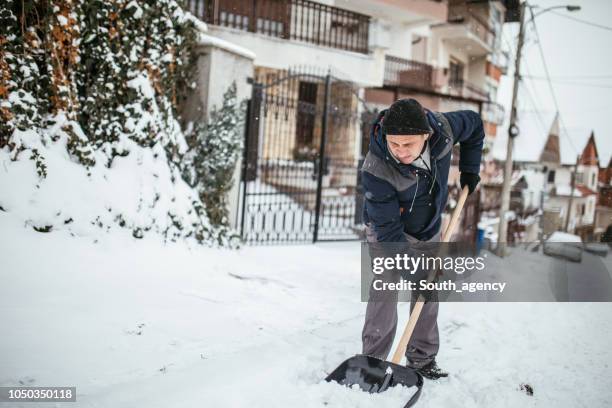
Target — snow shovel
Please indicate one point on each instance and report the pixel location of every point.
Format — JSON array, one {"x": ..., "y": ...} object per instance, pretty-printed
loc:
[{"x": 374, "y": 375}]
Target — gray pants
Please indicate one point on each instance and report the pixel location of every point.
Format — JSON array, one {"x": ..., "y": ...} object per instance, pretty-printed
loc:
[{"x": 381, "y": 324}]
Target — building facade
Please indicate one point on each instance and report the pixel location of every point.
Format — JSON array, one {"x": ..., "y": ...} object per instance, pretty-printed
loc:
[{"x": 321, "y": 69}]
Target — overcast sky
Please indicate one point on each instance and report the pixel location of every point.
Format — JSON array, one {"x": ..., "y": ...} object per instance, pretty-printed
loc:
[{"x": 579, "y": 59}]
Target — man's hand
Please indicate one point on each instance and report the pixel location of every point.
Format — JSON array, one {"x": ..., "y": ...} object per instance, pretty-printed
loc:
[{"x": 469, "y": 179}]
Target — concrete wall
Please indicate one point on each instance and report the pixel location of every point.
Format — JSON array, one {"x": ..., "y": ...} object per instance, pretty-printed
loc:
[
  {"x": 552, "y": 222},
  {"x": 603, "y": 218},
  {"x": 589, "y": 176},
  {"x": 441, "y": 51},
  {"x": 575, "y": 213},
  {"x": 400, "y": 44},
  {"x": 449, "y": 105},
  {"x": 589, "y": 214},
  {"x": 399, "y": 10},
  {"x": 563, "y": 176},
  {"x": 476, "y": 71},
  {"x": 536, "y": 180},
  {"x": 271, "y": 52}
]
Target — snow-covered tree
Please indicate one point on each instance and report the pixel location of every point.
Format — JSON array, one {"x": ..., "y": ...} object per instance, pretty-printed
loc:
[
  {"x": 135, "y": 56},
  {"x": 24, "y": 83},
  {"x": 62, "y": 46},
  {"x": 214, "y": 150},
  {"x": 104, "y": 78}
]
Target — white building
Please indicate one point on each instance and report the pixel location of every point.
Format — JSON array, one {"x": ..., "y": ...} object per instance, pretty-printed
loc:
[
  {"x": 445, "y": 53},
  {"x": 576, "y": 200}
]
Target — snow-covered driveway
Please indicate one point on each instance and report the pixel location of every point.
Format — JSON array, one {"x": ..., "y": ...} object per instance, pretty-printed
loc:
[{"x": 134, "y": 323}]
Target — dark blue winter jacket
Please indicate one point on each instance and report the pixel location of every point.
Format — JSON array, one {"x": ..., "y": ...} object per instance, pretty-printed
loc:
[{"x": 402, "y": 198}]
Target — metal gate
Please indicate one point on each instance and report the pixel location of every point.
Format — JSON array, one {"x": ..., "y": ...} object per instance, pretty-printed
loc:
[{"x": 302, "y": 152}]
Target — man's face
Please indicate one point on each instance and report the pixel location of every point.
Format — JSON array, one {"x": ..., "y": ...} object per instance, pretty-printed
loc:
[{"x": 406, "y": 147}]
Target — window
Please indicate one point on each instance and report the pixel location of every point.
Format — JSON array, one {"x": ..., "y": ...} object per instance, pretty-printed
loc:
[
  {"x": 455, "y": 78},
  {"x": 551, "y": 176},
  {"x": 593, "y": 180}
]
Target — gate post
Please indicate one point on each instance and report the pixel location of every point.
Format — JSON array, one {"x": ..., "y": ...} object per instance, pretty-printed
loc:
[
  {"x": 243, "y": 174},
  {"x": 250, "y": 153},
  {"x": 326, "y": 103},
  {"x": 252, "y": 131}
]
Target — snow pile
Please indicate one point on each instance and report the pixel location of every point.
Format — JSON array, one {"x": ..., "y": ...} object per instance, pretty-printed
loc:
[
  {"x": 141, "y": 324},
  {"x": 105, "y": 94},
  {"x": 140, "y": 191}
]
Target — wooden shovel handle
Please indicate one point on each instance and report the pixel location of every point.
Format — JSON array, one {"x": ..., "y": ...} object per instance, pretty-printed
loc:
[{"x": 418, "y": 307}]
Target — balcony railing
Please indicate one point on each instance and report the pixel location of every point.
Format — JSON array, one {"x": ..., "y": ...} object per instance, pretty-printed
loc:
[
  {"x": 476, "y": 26},
  {"x": 300, "y": 20},
  {"x": 493, "y": 112},
  {"x": 408, "y": 73},
  {"x": 501, "y": 59},
  {"x": 459, "y": 87}
]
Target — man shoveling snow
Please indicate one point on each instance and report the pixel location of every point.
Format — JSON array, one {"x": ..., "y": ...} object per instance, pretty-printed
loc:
[{"x": 405, "y": 178}]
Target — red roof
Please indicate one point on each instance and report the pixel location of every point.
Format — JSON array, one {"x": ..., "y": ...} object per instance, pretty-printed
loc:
[
  {"x": 589, "y": 155},
  {"x": 585, "y": 191}
]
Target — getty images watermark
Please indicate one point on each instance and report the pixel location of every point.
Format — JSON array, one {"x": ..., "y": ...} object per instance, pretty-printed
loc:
[
  {"x": 405, "y": 264},
  {"x": 461, "y": 272}
]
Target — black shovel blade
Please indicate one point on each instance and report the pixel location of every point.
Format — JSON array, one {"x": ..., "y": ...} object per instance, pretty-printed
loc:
[{"x": 375, "y": 375}]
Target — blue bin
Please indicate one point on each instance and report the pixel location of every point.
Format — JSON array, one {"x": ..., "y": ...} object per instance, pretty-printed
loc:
[{"x": 479, "y": 240}]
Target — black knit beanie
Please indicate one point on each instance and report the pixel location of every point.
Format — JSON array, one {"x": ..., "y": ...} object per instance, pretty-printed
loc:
[{"x": 405, "y": 117}]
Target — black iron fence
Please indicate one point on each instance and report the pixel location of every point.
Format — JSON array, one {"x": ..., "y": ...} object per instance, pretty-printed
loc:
[
  {"x": 300, "y": 169},
  {"x": 301, "y": 20}
]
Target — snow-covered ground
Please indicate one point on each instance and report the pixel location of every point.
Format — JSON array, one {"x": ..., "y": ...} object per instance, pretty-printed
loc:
[{"x": 136, "y": 323}]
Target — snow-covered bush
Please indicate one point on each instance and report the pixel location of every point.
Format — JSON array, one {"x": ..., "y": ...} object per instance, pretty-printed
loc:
[
  {"x": 214, "y": 149},
  {"x": 89, "y": 132}
]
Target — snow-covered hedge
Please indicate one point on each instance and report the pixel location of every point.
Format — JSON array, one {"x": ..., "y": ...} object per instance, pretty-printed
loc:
[
  {"x": 89, "y": 132},
  {"x": 214, "y": 148}
]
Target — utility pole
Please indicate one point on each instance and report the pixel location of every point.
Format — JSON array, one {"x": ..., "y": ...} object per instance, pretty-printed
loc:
[
  {"x": 512, "y": 133},
  {"x": 571, "y": 199}
]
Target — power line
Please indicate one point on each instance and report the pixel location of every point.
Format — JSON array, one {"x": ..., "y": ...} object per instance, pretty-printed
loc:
[
  {"x": 579, "y": 20},
  {"x": 550, "y": 85},
  {"x": 565, "y": 77},
  {"x": 534, "y": 100},
  {"x": 535, "y": 105},
  {"x": 573, "y": 83},
  {"x": 524, "y": 86}
]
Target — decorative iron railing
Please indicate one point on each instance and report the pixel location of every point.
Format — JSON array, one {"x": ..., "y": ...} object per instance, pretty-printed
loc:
[
  {"x": 459, "y": 87},
  {"x": 301, "y": 20},
  {"x": 408, "y": 73}
]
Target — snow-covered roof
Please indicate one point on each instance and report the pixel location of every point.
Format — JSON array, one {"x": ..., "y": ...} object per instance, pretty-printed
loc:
[
  {"x": 498, "y": 179},
  {"x": 206, "y": 39},
  {"x": 531, "y": 178},
  {"x": 585, "y": 191}
]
